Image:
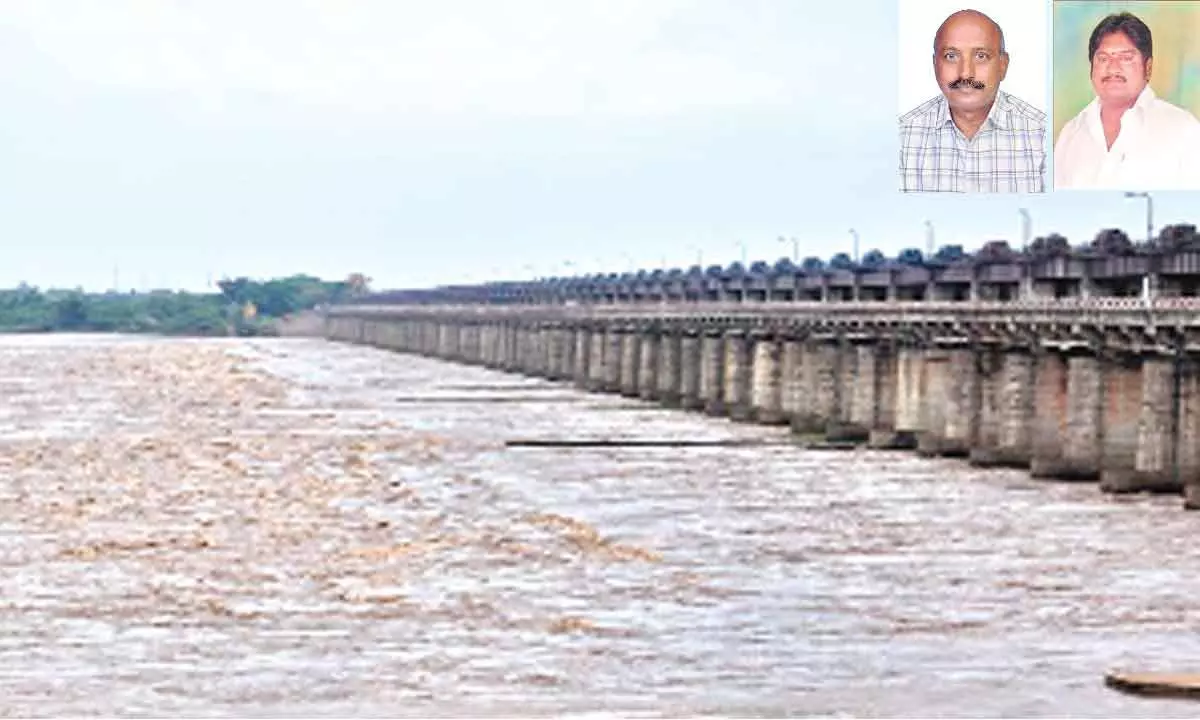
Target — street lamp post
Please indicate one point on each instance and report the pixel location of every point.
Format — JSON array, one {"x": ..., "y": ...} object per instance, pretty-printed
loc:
[
  {"x": 854, "y": 233},
  {"x": 1149, "y": 286},
  {"x": 1025, "y": 289},
  {"x": 742, "y": 247},
  {"x": 1149, "y": 212},
  {"x": 795, "y": 248},
  {"x": 929, "y": 239}
]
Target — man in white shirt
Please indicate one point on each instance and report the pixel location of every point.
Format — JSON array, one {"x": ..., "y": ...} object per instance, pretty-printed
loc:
[{"x": 1126, "y": 138}]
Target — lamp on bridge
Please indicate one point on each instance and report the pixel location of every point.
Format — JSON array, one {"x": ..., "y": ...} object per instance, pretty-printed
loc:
[
  {"x": 1026, "y": 228},
  {"x": 795, "y": 248},
  {"x": 1148, "y": 286},
  {"x": 1149, "y": 212}
]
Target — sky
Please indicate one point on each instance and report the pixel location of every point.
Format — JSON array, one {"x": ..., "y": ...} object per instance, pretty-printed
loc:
[{"x": 168, "y": 143}]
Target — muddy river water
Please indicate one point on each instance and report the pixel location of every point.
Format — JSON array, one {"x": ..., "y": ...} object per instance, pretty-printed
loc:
[{"x": 293, "y": 527}]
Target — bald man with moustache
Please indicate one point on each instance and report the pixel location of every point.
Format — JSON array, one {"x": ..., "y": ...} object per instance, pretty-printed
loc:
[{"x": 973, "y": 137}]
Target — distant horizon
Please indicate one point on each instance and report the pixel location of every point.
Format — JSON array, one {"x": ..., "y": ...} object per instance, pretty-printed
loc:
[
  {"x": 207, "y": 290},
  {"x": 376, "y": 287}
]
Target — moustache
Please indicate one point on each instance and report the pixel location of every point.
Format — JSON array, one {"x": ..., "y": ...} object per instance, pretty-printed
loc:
[
  {"x": 1113, "y": 77},
  {"x": 966, "y": 82}
]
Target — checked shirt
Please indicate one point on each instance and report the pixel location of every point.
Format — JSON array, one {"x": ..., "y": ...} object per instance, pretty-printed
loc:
[{"x": 1007, "y": 155}]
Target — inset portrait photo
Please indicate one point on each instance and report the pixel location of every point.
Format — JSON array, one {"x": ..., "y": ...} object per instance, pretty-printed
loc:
[
  {"x": 973, "y": 96},
  {"x": 1126, "y": 91}
]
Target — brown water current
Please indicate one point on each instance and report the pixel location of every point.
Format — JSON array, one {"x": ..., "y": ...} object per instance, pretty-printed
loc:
[{"x": 292, "y": 527}]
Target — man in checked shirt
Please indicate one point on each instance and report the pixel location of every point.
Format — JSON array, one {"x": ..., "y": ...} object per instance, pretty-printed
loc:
[{"x": 972, "y": 138}]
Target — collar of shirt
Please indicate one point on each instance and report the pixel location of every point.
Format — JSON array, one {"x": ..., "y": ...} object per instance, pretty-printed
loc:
[
  {"x": 998, "y": 117},
  {"x": 1136, "y": 114}
]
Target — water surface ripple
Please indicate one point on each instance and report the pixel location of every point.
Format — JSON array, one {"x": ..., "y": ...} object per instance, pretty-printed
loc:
[{"x": 260, "y": 528}]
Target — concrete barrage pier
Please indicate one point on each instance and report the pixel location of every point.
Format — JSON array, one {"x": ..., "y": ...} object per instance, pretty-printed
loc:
[{"x": 1105, "y": 390}]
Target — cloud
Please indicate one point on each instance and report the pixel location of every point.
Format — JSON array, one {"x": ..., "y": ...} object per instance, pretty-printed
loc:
[{"x": 516, "y": 58}]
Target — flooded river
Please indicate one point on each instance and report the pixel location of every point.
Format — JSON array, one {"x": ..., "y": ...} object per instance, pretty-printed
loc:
[{"x": 293, "y": 527}]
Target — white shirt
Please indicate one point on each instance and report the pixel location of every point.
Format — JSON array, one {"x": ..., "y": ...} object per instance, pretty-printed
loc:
[{"x": 1157, "y": 148}]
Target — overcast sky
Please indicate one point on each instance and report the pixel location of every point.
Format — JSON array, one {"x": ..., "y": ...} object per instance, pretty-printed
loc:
[{"x": 161, "y": 142}]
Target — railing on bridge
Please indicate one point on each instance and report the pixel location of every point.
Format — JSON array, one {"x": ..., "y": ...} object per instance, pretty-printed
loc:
[
  {"x": 1129, "y": 314},
  {"x": 842, "y": 307}
]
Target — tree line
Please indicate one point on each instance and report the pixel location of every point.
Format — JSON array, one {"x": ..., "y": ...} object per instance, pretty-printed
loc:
[{"x": 243, "y": 306}]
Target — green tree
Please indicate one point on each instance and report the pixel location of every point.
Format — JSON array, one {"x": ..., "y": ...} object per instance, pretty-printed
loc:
[{"x": 71, "y": 312}]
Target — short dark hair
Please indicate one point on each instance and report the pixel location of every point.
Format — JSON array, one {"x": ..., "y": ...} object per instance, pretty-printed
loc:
[{"x": 1123, "y": 22}]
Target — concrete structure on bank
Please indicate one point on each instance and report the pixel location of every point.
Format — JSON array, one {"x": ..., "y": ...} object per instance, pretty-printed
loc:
[{"x": 1103, "y": 390}]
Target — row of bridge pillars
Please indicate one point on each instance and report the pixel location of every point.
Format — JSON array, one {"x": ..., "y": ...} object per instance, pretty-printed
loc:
[{"x": 1129, "y": 421}]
